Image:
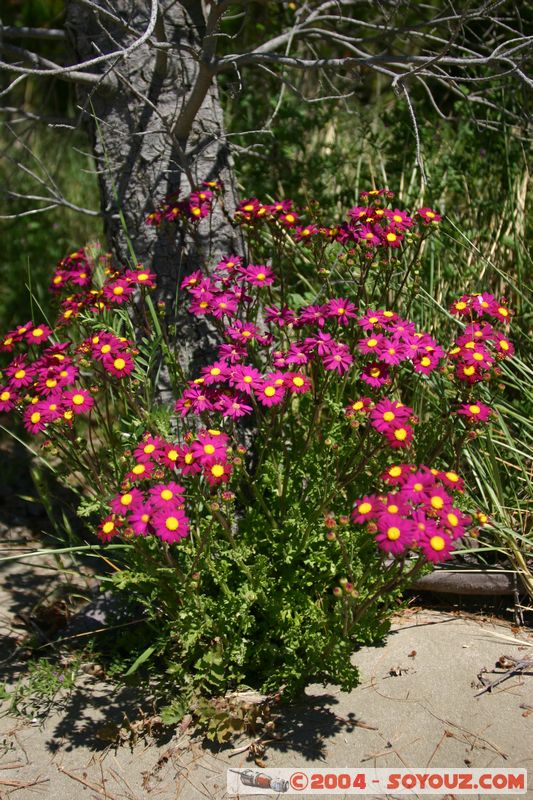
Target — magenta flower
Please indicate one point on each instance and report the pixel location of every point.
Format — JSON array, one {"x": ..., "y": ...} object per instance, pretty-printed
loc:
[
  {"x": 38, "y": 334},
  {"x": 140, "y": 471},
  {"x": 297, "y": 383},
  {"x": 375, "y": 374},
  {"x": 396, "y": 474},
  {"x": 242, "y": 332},
  {"x": 140, "y": 518},
  {"x": 224, "y": 304},
  {"x": 394, "y": 534},
  {"x": 215, "y": 373},
  {"x": 365, "y": 509},
  {"x": 389, "y": 414},
  {"x": 170, "y": 526},
  {"x": 372, "y": 344},
  {"x": 117, "y": 292},
  {"x": 279, "y": 316},
  {"x": 369, "y": 234},
  {"x": 340, "y": 359},
  {"x": 228, "y": 264},
  {"x": 475, "y": 412},
  {"x": 234, "y": 406},
  {"x": 120, "y": 366},
  {"x": 428, "y": 215},
  {"x": 271, "y": 391},
  {"x": 341, "y": 309},
  {"x": 34, "y": 419},
  {"x": 7, "y": 398},
  {"x": 312, "y": 315},
  {"x": 436, "y": 547},
  {"x": 217, "y": 472},
  {"x": 257, "y": 274},
  {"x": 400, "y": 437},
  {"x": 245, "y": 378},
  {"x": 79, "y": 400},
  {"x": 392, "y": 351},
  {"x": 151, "y": 448},
  {"x": 122, "y": 503},
  {"x": 207, "y": 447},
  {"x": 165, "y": 495}
]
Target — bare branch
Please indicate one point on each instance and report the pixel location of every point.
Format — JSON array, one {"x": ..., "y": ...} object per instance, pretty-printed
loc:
[{"x": 48, "y": 34}]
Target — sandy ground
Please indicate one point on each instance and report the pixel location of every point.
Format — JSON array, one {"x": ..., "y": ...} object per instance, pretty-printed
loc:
[{"x": 418, "y": 705}]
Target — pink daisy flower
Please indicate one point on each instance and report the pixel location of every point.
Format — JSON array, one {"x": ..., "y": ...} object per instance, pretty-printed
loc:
[
  {"x": 122, "y": 503},
  {"x": 207, "y": 447},
  {"x": 297, "y": 383},
  {"x": 187, "y": 461},
  {"x": 215, "y": 373},
  {"x": 7, "y": 398},
  {"x": 339, "y": 360},
  {"x": 400, "y": 437},
  {"x": 39, "y": 334},
  {"x": 139, "y": 519},
  {"x": 235, "y": 406},
  {"x": 119, "y": 366},
  {"x": 257, "y": 274},
  {"x": 170, "y": 526},
  {"x": 394, "y": 534},
  {"x": 108, "y": 528},
  {"x": 365, "y": 509},
  {"x": 271, "y": 391},
  {"x": 397, "y": 474},
  {"x": 389, "y": 414},
  {"x": 373, "y": 344},
  {"x": 34, "y": 419},
  {"x": 375, "y": 374},
  {"x": 475, "y": 412},
  {"x": 279, "y": 316},
  {"x": 428, "y": 215},
  {"x": 341, "y": 309},
  {"x": 140, "y": 471},
  {"x": 245, "y": 378},
  {"x": 151, "y": 448},
  {"x": 164, "y": 494},
  {"x": 79, "y": 400},
  {"x": 216, "y": 472},
  {"x": 436, "y": 547}
]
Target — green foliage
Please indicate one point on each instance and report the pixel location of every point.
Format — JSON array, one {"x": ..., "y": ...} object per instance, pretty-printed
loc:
[{"x": 47, "y": 684}]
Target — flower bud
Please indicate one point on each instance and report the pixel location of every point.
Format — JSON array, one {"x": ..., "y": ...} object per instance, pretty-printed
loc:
[
  {"x": 337, "y": 591},
  {"x": 330, "y": 536},
  {"x": 348, "y": 587},
  {"x": 372, "y": 527},
  {"x": 343, "y": 581},
  {"x": 344, "y": 519}
]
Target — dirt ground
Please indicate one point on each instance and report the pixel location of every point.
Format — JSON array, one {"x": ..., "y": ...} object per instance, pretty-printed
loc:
[{"x": 420, "y": 704}]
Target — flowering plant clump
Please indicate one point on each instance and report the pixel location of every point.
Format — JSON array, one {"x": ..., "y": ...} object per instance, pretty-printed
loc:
[{"x": 272, "y": 513}]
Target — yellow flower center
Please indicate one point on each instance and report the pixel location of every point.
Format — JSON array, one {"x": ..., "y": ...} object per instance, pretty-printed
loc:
[
  {"x": 400, "y": 434},
  {"x": 452, "y": 476},
  {"x": 138, "y": 469},
  {"x": 119, "y": 363},
  {"x": 437, "y": 543},
  {"x": 105, "y": 348},
  {"x": 35, "y": 417},
  {"x": 189, "y": 458},
  {"x": 460, "y": 306},
  {"x": 5, "y": 395},
  {"x": 437, "y": 502},
  {"x": 166, "y": 494},
  {"x": 393, "y": 534},
  {"x": 126, "y": 499},
  {"x": 217, "y": 470},
  {"x": 172, "y": 523},
  {"x": 269, "y": 391},
  {"x": 107, "y": 527},
  {"x": 371, "y": 342},
  {"x": 392, "y": 509},
  {"x": 50, "y": 383},
  {"x": 364, "y": 508},
  {"x": 172, "y": 455},
  {"x": 395, "y": 472},
  {"x": 388, "y": 416},
  {"x": 453, "y": 519},
  {"x": 118, "y": 290},
  {"x": 215, "y": 371},
  {"x": 260, "y": 276},
  {"x": 37, "y": 332},
  {"x": 298, "y": 381},
  {"x": 474, "y": 409},
  {"x": 209, "y": 449},
  {"x": 148, "y": 448},
  {"x": 78, "y": 399},
  {"x": 19, "y": 374}
]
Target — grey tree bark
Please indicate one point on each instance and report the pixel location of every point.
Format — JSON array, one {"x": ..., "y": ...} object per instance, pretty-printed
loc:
[{"x": 148, "y": 142}]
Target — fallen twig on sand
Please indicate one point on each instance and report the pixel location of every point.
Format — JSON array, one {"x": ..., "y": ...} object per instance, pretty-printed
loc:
[{"x": 518, "y": 668}]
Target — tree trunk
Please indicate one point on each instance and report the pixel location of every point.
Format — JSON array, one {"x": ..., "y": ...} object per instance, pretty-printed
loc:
[{"x": 143, "y": 147}]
